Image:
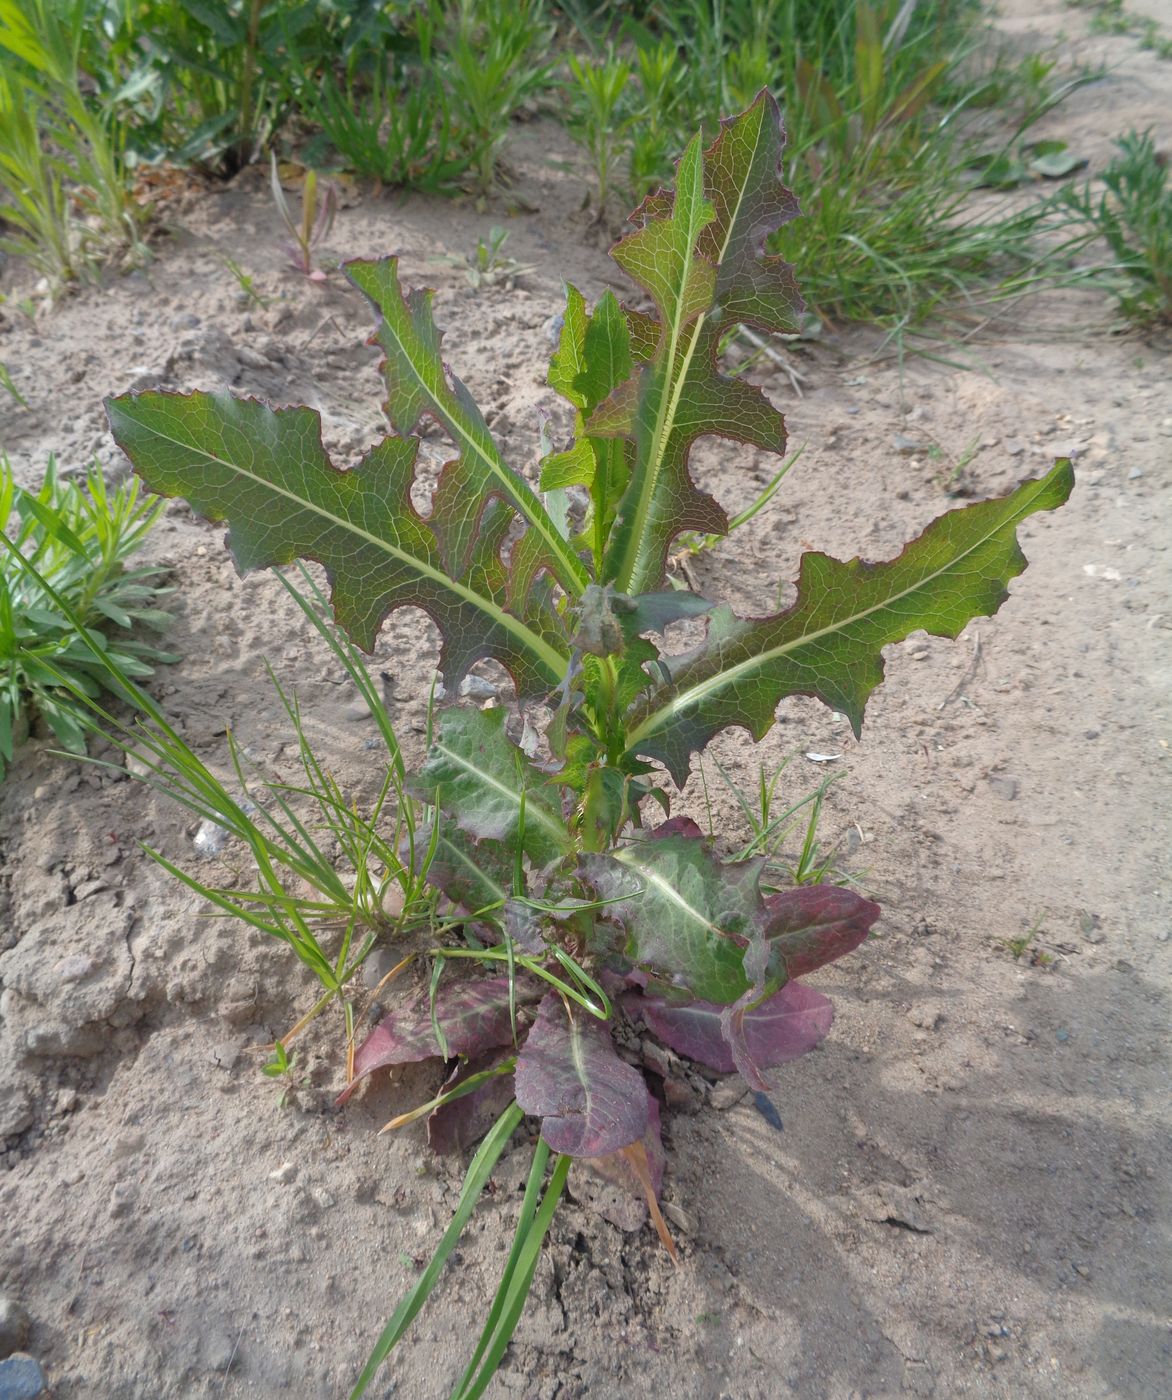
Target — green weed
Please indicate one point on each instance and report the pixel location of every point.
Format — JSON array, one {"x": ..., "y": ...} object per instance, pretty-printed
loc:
[
  {"x": 1133, "y": 213},
  {"x": 65, "y": 591}
]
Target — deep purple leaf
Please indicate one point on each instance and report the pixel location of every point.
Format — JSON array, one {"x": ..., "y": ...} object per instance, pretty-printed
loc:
[
  {"x": 617, "y": 1168},
  {"x": 791, "y": 1022},
  {"x": 474, "y": 1017},
  {"x": 676, "y": 826},
  {"x": 455, "y": 1126},
  {"x": 591, "y": 1103},
  {"x": 815, "y": 924}
]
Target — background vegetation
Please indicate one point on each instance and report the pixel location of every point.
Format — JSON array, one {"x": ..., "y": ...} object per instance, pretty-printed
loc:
[{"x": 895, "y": 109}]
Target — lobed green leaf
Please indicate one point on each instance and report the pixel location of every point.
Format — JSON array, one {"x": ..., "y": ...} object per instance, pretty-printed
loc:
[{"x": 829, "y": 643}]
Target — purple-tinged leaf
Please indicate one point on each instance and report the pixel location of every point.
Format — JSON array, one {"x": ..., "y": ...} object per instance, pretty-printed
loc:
[
  {"x": 676, "y": 826},
  {"x": 455, "y": 1126},
  {"x": 791, "y": 1022},
  {"x": 591, "y": 1103},
  {"x": 473, "y": 1016},
  {"x": 815, "y": 924},
  {"x": 524, "y": 926},
  {"x": 616, "y": 1167}
]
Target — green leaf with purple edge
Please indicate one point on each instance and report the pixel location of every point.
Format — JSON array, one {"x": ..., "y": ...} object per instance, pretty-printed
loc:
[
  {"x": 473, "y": 1016},
  {"x": 830, "y": 642},
  {"x": 590, "y": 1102},
  {"x": 699, "y": 254},
  {"x": 686, "y": 916},
  {"x": 264, "y": 471},
  {"x": 784, "y": 1026}
]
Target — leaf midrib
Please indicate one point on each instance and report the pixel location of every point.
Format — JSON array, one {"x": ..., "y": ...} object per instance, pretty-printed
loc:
[
  {"x": 551, "y": 825},
  {"x": 633, "y": 582},
  {"x": 551, "y": 659},
  {"x": 702, "y": 689}
]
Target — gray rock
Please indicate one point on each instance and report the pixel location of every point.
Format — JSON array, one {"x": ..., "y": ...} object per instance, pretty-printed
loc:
[
  {"x": 1004, "y": 786},
  {"x": 185, "y": 321},
  {"x": 21, "y": 1378},
  {"x": 252, "y": 359},
  {"x": 209, "y": 839},
  {"x": 907, "y": 445},
  {"x": 477, "y": 688},
  {"x": 14, "y": 1325}
]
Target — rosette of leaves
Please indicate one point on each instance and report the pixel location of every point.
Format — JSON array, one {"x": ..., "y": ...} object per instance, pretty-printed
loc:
[{"x": 563, "y": 902}]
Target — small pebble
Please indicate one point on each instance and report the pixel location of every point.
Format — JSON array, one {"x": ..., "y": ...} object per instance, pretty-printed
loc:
[
  {"x": 21, "y": 1378},
  {"x": 477, "y": 688},
  {"x": 728, "y": 1092},
  {"x": 1135, "y": 473},
  {"x": 284, "y": 1174},
  {"x": 209, "y": 839}
]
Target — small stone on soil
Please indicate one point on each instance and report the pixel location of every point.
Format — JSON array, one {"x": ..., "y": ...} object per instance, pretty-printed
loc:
[{"x": 21, "y": 1378}]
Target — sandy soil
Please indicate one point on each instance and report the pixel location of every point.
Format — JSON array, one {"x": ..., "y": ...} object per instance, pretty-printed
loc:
[{"x": 969, "y": 1195}]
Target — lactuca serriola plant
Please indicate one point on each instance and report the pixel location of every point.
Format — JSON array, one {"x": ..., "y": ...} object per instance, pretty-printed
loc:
[{"x": 569, "y": 910}]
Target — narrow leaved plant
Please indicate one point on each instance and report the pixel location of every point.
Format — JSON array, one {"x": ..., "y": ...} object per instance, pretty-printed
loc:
[{"x": 567, "y": 909}]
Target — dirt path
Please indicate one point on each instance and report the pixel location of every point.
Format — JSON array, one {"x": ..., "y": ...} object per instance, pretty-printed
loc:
[{"x": 969, "y": 1195}]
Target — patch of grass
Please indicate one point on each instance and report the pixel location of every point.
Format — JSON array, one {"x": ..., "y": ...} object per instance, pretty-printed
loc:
[
  {"x": 1019, "y": 947},
  {"x": 878, "y": 100},
  {"x": 493, "y": 62},
  {"x": 1133, "y": 213},
  {"x": 1113, "y": 17},
  {"x": 65, "y": 596}
]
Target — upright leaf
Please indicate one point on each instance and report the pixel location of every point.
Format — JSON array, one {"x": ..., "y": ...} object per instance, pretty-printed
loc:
[
  {"x": 829, "y": 643},
  {"x": 593, "y": 358},
  {"x": 699, "y": 255},
  {"x": 266, "y": 473},
  {"x": 476, "y": 773},
  {"x": 591, "y": 1103},
  {"x": 418, "y": 383}
]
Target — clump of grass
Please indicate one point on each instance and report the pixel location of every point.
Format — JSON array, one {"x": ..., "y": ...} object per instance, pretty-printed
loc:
[
  {"x": 59, "y": 151},
  {"x": 1133, "y": 213},
  {"x": 493, "y": 63},
  {"x": 330, "y": 876},
  {"x": 69, "y": 606}
]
